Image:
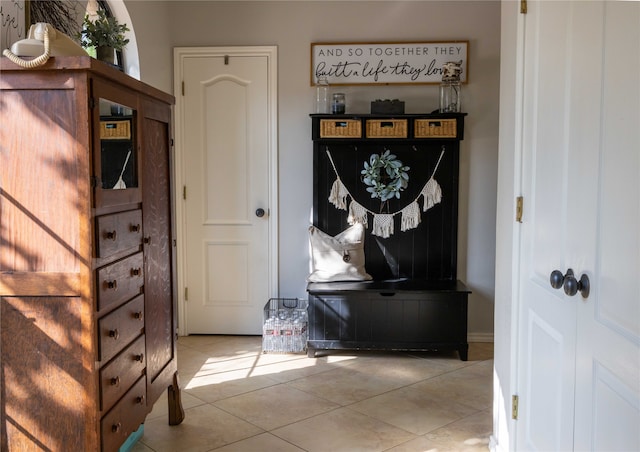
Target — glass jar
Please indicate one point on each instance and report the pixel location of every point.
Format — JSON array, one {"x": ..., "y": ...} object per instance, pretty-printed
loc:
[
  {"x": 338, "y": 104},
  {"x": 322, "y": 95},
  {"x": 450, "y": 97}
]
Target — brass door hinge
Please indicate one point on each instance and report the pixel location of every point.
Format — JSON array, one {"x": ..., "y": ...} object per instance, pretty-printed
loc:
[
  {"x": 523, "y": 6},
  {"x": 519, "y": 208},
  {"x": 514, "y": 407},
  {"x": 183, "y": 87},
  {"x": 186, "y": 293},
  {"x": 184, "y": 192}
]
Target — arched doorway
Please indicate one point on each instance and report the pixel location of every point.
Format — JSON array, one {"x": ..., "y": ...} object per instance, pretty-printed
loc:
[{"x": 67, "y": 16}]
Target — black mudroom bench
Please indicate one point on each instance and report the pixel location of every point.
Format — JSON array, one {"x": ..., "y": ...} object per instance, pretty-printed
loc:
[
  {"x": 388, "y": 315},
  {"x": 415, "y": 301}
]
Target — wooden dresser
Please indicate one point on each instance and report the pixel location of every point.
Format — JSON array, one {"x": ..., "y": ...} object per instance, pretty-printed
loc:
[
  {"x": 415, "y": 301},
  {"x": 88, "y": 315}
]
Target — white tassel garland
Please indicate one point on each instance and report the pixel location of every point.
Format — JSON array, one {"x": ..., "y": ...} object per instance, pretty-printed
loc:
[
  {"x": 357, "y": 214},
  {"x": 410, "y": 217},
  {"x": 382, "y": 225},
  {"x": 432, "y": 194},
  {"x": 338, "y": 195}
]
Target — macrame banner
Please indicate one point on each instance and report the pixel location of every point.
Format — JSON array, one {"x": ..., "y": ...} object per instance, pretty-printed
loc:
[{"x": 383, "y": 223}]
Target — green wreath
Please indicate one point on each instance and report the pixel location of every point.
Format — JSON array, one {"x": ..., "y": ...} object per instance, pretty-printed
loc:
[{"x": 385, "y": 176}]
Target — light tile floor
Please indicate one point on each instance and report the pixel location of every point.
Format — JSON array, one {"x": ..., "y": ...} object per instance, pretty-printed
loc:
[{"x": 238, "y": 399}]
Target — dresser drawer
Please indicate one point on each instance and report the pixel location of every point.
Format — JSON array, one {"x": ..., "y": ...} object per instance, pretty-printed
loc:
[
  {"x": 117, "y": 329},
  {"x": 118, "y": 232},
  {"x": 125, "y": 417},
  {"x": 120, "y": 281},
  {"x": 121, "y": 373}
]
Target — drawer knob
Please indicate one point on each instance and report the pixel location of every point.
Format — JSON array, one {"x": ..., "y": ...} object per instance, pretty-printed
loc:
[
  {"x": 140, "y": 399},
  {"x": 147, "y": 240},
  {"x": 115, "y": 381},
  {"x": 115, "y": 428},
  {"x": 112, "y": 284},
  {"x": 114, "y": 333},
  {"x": 110, "y": 235},
  {"x": 139, "y": 358},
  {"x": 135, "y": 228},
  {"x": 138, "y": 315},
  {"x": 136, "y": 271}
]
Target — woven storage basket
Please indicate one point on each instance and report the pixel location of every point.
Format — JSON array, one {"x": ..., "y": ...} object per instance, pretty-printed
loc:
[
  {"x": 115, "y": 130},
  {"x": 386, "y": 128},
  {"x": 435, "y": 128},
  {"x": 340, "y": 128}
]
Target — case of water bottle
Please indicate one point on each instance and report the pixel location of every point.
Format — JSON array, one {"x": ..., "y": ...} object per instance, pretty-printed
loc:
[{"x": 285, "y": 328}]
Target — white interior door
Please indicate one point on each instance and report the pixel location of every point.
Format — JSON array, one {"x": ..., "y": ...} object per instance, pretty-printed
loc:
[
  {"x": 228, "y": 153},
  {"x": 608, "y": 347},
  {"x": 578, "y": 357},
  {"x": 547, "y": 324}
]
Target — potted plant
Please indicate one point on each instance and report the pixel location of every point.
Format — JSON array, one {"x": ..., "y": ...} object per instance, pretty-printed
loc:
[{"x": 104, "y": 34}]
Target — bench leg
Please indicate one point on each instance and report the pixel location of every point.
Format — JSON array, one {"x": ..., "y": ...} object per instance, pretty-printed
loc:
[{"x": 464, "y": 352}]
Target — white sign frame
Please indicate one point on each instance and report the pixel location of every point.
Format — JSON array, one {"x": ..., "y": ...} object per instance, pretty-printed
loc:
[{"x": 374, "y": 63}]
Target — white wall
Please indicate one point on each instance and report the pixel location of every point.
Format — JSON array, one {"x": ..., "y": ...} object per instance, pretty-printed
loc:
[
  {"x": 151, "y": 27},
  {"x": 292, "y": 26}
]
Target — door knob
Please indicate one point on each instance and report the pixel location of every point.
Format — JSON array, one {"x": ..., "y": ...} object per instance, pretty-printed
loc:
[
  {"x": 556, "y": 279},
  {"x": 260, "y": 212},
  {"x": 571, "y": 285}
]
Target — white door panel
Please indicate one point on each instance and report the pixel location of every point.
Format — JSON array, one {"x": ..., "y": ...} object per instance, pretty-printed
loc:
[
  {"x": 226, "y": 262},
  {"x": 547, "y": 325},
  {"x": 608, "y": 349},
  {"x": 579, "y": 358},
  {"x": 225, "y": 138},
  {"x": 227, "y": 130},
  {"x": 546, "y": 362}
]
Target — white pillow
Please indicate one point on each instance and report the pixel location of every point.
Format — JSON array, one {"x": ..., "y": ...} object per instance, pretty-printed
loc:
[{"x": 339, "y": 258}]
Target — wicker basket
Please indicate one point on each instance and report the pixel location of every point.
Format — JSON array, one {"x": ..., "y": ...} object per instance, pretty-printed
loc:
[
  {"x": 386, "y": 128},
  {"x": 285, "y": 326},
  {"x": 115, "y": 130},
  {"x": 435, "y": 128},
  {"x": 340, "y": 128}
]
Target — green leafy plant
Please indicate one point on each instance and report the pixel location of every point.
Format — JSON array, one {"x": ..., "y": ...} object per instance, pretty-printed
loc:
[
  {"x": 385, "y": 176},
  {"x": 103, "y": 32}
]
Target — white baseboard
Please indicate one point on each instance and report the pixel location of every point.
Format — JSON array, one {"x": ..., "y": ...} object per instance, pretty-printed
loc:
[{"x": 479, "y": 337}]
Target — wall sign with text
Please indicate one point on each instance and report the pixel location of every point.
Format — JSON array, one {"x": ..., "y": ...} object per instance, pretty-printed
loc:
[
  {"x": 14, "y": 21},
  {"x": 386, "y": 63}
]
